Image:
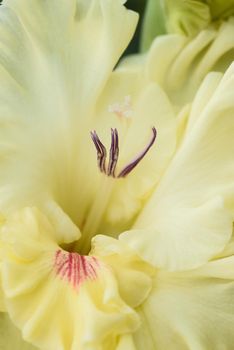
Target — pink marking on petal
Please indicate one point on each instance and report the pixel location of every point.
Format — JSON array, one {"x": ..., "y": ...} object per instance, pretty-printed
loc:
[
  {"x": 75, "y": 268},
  {"x": 76, "y": 278},
  {"x": 83, "y": 263}
]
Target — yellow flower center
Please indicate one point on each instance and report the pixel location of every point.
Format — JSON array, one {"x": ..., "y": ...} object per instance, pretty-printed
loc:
[{"x": 94, "y": 217}]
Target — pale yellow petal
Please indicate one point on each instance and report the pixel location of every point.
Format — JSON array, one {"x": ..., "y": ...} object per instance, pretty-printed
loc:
[
  {"x": 187, "y": 17},
  {"x": 66, "y": 230},
  {"x": 188, "y": 220},
  {"x": 162, "y": 54},
  {"x": 221, "y": 8},
  {"x": 181, "y": 66},
  {"x": 228, "y": 249},
  {"x": 55, "y": 60},
  {"x": 73, "y": 43},
  {"x": 10, "y": 336},
  {"x": 64, "y": 301},
  {"x": 133, "y": 274},
  {"x": 190, "y": 310},
  {"x": 2, "y": 302},
  {"x": 203, "y": 95},
  {"x": 182, "y": 123},
  {"x": 126, "y": 343}
]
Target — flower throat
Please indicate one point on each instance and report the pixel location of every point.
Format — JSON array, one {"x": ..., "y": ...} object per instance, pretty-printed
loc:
[{"x": 100, "y": 203}]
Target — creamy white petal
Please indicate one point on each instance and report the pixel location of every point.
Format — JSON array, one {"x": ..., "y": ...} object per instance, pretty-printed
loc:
[
  {"x": 74, "y": 43},
  {"x": 133, "y": 274},
  {"x": 10, "y": 336},
  {"x": 188, "y": 17},
  {"x": 181, "y": 66},
  {"x": 55, "y": 60},
  {"x": 204, "y": 94},
  {"x": 2, "y": 302},
  {"x": 187, "y": 221},
  {"x": 62, "y": 300},
  {"x": 190, "y": 310}
]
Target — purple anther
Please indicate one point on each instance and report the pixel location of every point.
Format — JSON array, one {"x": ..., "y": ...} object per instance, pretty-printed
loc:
[
  {"x": 101, "y": 151},
  {"x": 114, "y": 153},
  {"x": 126, "y": 170}
]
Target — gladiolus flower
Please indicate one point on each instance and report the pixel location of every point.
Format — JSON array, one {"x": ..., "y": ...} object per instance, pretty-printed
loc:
[{"x": 116, "y": 222}]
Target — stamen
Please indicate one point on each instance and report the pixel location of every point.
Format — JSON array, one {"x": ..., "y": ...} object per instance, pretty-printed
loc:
[
  {"x": 101, "y": 151},
  {"x": 114, "y": 153},
  {"x": 126, "y": 170}
]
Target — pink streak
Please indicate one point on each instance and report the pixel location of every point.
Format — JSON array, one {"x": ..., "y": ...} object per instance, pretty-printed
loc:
[{"x": 75, "y": 268}]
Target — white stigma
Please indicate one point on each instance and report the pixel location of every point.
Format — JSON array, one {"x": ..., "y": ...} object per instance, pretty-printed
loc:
[{"x": 122, "y": 110}]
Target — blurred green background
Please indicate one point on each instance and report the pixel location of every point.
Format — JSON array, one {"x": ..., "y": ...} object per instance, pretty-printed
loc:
[{"x": 138, "y": 6}]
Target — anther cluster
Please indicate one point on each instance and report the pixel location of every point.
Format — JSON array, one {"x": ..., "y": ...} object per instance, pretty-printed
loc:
[{"x": 110, "y": 169}]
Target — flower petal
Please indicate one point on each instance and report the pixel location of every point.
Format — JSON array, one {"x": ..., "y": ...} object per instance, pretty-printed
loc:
[
  {"x": 2, "y": 302},
  {"x": 190, "y": 310},
  {"x": 133, "y": 274},
  {"x": 73, "y": 43},
  {"x": 221, "y": 8},
  {"x": 10, "y": 337},
  {"x": 180, "y": 64},
  {"x": 55, "y": 60},
  {"x": 204, "y": 94},
  {"x": 60, "y": 300},
  {"x": 188, "y": 220},
  {"x": 187, "y": 17}
]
